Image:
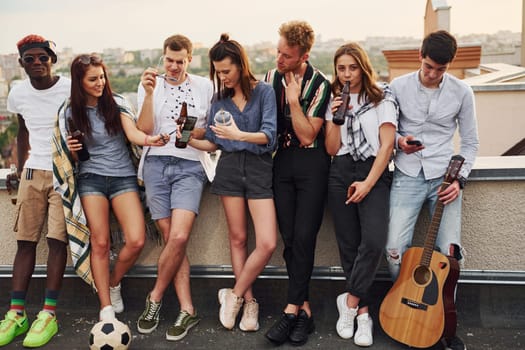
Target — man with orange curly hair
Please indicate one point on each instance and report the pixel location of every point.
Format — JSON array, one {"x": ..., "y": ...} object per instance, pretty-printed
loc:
[
  {"x": 300, "y": 175},
  {"x": 36, "y": 101}
]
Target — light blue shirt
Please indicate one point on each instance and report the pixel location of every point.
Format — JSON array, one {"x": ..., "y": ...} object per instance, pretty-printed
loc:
[
  {"x": 109, "y": 155},
  {"x": 433, "y": 117}
]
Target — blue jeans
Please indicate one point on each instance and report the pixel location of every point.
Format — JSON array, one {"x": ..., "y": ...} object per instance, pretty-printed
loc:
[{"x": 407, "y": 196}]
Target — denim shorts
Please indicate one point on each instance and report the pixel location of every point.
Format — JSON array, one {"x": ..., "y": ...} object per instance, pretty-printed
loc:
[
  {"x": 244, "y": 174},
  {"x": 90, "y": 184},
  {"x": 172, "y": 183}
]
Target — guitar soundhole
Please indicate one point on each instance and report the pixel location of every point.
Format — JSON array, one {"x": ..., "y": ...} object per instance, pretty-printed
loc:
[{"x": 422, "y": 275}]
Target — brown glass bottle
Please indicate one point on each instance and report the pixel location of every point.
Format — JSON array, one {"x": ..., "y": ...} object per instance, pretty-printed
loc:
[
  {"x": 182, "y": 142},
  {"x": 83, "y": 153},
  {"x": 340, "y": 114}
]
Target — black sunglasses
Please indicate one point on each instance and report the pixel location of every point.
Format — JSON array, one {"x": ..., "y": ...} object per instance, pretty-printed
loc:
[
  {"x": 88, "y": 59},
  {"x": 30, "y": 59}
]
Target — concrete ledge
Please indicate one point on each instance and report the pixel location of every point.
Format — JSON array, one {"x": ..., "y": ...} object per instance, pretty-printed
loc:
[
  {"x": 334, "y": 273},
  {"x": 492, "y": 233}
]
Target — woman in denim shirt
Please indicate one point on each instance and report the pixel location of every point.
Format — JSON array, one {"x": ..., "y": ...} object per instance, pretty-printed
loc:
[{"x": 244, "y": 172}]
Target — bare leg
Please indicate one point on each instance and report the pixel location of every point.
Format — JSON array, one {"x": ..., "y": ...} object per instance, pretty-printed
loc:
[
  {"x": 128, "y": 210},
  {"x": 173, "y": 255},
  {"x": 265, "y": 225},
  {"x": 235, "y": 211},
  {"x": 96, "y": 209},
  {"x": 23, "y": 265},
  {"x": 56, "y": 263}
]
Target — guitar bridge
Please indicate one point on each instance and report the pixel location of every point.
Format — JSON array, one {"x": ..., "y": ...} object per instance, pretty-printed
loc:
[{"x": 414, "y": 304}]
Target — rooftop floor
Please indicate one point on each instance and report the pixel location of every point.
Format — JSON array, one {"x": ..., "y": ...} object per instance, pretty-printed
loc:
[{"x": 491, "y": 317}]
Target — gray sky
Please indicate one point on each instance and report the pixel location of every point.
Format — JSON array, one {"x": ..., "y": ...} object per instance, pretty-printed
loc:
[{"x": 93, "y": 25}]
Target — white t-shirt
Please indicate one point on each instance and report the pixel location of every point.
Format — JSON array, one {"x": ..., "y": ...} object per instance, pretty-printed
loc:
[
  {"x": 371, "y": 120},
  {"x": 39, "y": 108},
  {"x": 197, "y": 92}
]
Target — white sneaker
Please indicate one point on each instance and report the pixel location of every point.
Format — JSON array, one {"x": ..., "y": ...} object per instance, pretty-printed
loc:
[
  {"x": 363, "y": 335},
  {"x": 345, "y": 323},
  {"x": 230, "y": 306},
  {"x": 107, "y": 313},
  {"x": 116, "y": 299},
  {"x": 250, "y": 316}
]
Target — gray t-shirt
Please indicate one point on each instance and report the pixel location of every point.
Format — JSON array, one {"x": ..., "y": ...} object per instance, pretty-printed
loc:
[{"x": 109, "y": 155}]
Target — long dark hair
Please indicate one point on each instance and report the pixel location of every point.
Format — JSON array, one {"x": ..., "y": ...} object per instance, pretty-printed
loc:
[
  {"x": 107, "y": 107},
  {"x": 369, "y": 87},
  {"x": 232, "y": 49}
]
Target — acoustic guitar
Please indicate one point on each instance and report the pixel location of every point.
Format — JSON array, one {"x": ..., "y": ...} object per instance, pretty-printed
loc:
[{"x": 415, "y": 308}]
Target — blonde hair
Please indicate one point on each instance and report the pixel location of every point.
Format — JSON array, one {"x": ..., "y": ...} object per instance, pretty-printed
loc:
[{"x": 298, "y": 33}]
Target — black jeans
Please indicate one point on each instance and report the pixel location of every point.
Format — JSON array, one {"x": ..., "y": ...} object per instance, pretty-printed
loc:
[
  {"x": 361, "y": 228},
  {"x": 300, "y": 180}
]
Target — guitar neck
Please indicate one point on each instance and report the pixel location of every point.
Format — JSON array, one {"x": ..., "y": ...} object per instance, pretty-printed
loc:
[
  {"x": 432, "y": 232},
  {"x": 452, "y": 173}
]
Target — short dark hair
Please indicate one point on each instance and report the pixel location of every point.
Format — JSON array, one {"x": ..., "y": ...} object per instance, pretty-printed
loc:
[{"x": 440, "y": 46}]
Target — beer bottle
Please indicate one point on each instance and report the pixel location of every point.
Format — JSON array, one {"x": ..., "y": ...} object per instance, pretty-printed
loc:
[
  {"x": 83, "y": 154},
  {"x": 182, "y": 142},
  {"x": 340, "y": 114}
]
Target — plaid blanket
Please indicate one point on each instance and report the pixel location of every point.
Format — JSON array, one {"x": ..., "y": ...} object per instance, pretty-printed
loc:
[{"x": 64, "y": 170}]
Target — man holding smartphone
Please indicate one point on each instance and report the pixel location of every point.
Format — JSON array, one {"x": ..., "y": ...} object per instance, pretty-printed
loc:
[
  {"x": 174, "y": 177},
  {"x": 433, "y": 104}
]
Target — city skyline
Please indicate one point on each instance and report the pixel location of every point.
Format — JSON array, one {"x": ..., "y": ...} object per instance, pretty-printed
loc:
[{"x": 135, "y": 24}]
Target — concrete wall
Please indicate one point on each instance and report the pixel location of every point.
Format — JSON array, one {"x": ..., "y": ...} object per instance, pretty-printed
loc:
[
  {"x": 493, "y": 229},
  {"x": 501, "y": 120}
]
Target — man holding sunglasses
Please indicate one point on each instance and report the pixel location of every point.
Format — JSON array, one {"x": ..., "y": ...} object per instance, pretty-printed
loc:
[
  {"x": 173, "y": 177},
  {"x": 36, "y": 101}
]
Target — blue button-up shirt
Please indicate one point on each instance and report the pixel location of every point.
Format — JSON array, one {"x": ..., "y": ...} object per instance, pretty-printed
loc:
[
  {"x": 433, "y": 117},
  {"x": 259, "y": 115}
]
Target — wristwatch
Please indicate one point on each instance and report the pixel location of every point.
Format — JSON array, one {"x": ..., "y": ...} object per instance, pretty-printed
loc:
[{"x": 462, "y": 181}]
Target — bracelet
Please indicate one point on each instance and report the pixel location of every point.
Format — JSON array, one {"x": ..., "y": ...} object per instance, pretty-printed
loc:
[{"x": 146, "y": 140}]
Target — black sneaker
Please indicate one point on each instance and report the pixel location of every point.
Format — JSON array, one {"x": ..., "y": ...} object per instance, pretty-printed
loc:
[
  {"x": 303, "y": 327},
  {"x": 455, "y": 343},
  {"x": 281, "y": 329}
]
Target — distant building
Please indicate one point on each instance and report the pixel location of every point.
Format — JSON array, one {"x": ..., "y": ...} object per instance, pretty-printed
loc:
[
  {"x": 152, "y": 55},
  {"x": 114, "y": 54},
  {"x": 10, "y": 68}
]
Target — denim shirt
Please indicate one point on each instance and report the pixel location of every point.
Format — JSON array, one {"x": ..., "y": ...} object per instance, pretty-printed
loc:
[
  {"x": 433, "y": 119},
  {"x": 259, "y": 115}
]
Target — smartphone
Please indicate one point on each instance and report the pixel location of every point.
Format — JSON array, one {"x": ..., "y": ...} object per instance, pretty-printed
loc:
[
  {"x": 189, "y": 125},
  {"x": 414, "y": 143}
]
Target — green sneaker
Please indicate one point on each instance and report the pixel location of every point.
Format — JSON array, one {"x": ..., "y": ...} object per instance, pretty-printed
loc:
[
  {"x": 12, "y": 326},
  {"x": 182, "y": 325},
  {"x": 42, "y": 330},
  {"x": 149, "y": 320}
]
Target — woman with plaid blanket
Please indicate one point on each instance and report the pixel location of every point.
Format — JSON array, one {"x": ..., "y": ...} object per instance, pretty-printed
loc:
[{"x": 105, "y": 178}]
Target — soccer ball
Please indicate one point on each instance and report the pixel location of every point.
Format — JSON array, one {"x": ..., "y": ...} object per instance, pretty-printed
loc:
[{"x": 109, "y": 335}]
